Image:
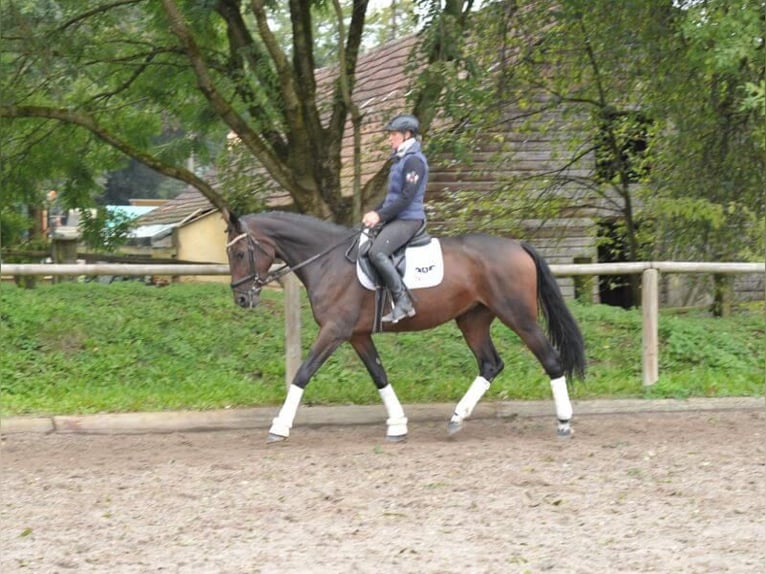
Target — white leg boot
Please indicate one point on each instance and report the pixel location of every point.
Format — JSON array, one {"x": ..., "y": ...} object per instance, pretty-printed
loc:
[
  {"x": 281, "y": 425},
  {"x": 397, "y": 422},
  {"x": 466, "y": 405},
  {"x": 563, "y": 407}
]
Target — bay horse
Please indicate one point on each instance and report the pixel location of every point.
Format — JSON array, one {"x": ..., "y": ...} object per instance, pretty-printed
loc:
[{"x": 485, "y": 277}]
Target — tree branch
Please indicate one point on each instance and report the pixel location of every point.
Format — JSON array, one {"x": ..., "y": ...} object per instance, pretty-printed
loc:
[
  {"x": 97, "y": 10},
  {"x": 221, "y": 106},
  {"x": 293, "y": 113},
  {"x": 350, "y": 54},
  {"x": 245, "y": 59},
  {"x": 89, "y": 123}
]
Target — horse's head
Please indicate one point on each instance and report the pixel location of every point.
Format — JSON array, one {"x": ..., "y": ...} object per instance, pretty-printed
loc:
[{"x": 249, "y": 261}]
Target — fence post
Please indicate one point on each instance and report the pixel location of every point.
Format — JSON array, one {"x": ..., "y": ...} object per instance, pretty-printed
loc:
[
  {"x": 292, "y": 326},
  {"x": 64, "y": 251},
  {"x": 649, "y": 313}
]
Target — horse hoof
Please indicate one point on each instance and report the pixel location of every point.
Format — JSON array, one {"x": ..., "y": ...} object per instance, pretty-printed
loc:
[
  {"x": 454, "y": 427},
  {"x": 565, "y": 432},
  {"x": 275, "y": 438},
  {"x": 396, "y": 438}
]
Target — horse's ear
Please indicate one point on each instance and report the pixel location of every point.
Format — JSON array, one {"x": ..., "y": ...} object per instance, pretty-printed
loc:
[{"x": 231, "y": 220}]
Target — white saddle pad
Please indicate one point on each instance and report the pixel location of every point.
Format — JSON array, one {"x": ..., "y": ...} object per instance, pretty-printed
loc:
[{"x": 425, "y": 266}]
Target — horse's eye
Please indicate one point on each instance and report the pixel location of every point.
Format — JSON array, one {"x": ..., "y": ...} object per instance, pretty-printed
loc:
[{"x": 239, "y": 255}]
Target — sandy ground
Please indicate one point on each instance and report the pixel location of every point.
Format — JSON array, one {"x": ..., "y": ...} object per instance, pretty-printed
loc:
[{"x": 671, "y": 492}]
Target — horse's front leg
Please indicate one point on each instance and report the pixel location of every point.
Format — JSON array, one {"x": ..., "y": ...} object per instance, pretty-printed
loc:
[
  {"x": 396, "y": 422},
  {"x": 325, "y": 345}
]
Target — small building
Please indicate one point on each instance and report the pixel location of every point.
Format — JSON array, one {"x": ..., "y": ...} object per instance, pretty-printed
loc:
[{"x": 185, "y": 229}]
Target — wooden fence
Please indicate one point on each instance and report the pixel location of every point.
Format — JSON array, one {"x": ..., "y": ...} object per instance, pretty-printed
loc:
[{"x": 649, "y": 271}]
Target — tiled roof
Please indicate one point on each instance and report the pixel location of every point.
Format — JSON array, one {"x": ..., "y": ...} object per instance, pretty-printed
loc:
[{"x": 187, "y": 205}]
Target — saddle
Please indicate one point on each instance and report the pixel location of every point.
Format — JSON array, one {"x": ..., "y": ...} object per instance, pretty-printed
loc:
[
  {"x": 399, "y": 256},
  {"x": 419, "y": 262}
]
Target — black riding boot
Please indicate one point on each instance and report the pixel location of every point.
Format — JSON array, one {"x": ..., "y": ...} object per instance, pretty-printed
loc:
[{"x": 390, "y": 276}]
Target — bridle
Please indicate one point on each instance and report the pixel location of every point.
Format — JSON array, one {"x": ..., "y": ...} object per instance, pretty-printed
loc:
[{"x": 258, "y": 281}]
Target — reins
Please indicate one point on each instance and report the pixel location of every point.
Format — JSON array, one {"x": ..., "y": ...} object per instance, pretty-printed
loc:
[{"x": 258, "y": 281}]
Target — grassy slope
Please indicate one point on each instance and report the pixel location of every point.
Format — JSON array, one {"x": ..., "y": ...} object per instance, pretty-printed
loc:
[{"x": 79, "y": 348}]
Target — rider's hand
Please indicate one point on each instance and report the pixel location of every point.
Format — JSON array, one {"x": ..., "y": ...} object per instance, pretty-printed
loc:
[{"x": 371, "y": 219}]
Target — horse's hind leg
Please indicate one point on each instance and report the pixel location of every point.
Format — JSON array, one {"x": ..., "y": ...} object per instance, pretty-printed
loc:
[
  {"x": 396, "y": 422},
  {"x": 549, "y": 358},
  {"x": 475, "y": 326},
  {"x": 522, "y": 320}
]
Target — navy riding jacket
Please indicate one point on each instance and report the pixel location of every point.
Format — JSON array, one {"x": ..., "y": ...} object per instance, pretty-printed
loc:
[{"x": 406, "y": 186}]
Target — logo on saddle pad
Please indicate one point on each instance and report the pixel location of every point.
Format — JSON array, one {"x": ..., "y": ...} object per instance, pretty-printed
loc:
[{"x": 424, "y": 266}]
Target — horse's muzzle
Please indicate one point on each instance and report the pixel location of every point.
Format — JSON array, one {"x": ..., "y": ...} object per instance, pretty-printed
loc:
[{"x": 248, "y": 300}]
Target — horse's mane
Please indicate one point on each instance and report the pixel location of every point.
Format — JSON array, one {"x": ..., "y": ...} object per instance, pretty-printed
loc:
[{"x": 298, "y": 221}]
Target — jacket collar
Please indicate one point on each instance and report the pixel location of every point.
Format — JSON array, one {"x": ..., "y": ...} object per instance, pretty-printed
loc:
[{"x": 406, "y": 146}]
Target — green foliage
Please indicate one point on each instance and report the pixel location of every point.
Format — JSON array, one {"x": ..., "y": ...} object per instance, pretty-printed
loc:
[
  {"x": 621, "y": 145},
  {"x": 84, "y": 348},
  {"x": 712, "y": 147},
  {"x": 755, "y": 101},
  {"x": 127, "y": 73},
  {"x": 136, "y": 181},
  {"x": 141, "y": 70},
  {"x": 639, "y": 104},
  {"x": 537, "y": 87},
  {"x": 50, "y": 57},
  {"x": 390, "y": 22},
  {"x": 247, "y": 188},
  {"x": 114, "y": 63},
  {"x": 105, "y": 230},
  {"x": 13, "y": 225}
]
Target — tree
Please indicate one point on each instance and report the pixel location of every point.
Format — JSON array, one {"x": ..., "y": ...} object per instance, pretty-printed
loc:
[
  {"x": 126, "y": 70},
  {"x": 715, "y": 186},
  {"x": 54, "y": 65},
  {"x": 558, "y": 73},
  {"x": 710, "y": 200},
  {"x": 663, "y": 118}
]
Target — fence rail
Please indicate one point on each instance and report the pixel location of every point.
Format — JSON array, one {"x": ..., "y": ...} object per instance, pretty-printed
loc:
[
  {"x": 567, "y": 270},
  {"x": 126, "y": 269},
  {"x": 649, "y": 271}
]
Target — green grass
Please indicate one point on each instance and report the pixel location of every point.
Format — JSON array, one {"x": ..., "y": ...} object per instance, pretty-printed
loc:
[{"x": 85, "y": 348}]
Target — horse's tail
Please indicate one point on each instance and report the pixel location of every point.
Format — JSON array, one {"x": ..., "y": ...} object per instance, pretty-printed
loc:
[{"x": 563, "y": 330}]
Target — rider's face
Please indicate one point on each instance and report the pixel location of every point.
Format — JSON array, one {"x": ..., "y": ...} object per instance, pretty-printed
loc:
[{"x": 395, "y": 139}]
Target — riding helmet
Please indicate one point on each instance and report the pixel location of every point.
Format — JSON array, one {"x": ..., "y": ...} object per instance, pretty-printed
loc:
[{"x": 404, "y": 123}]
